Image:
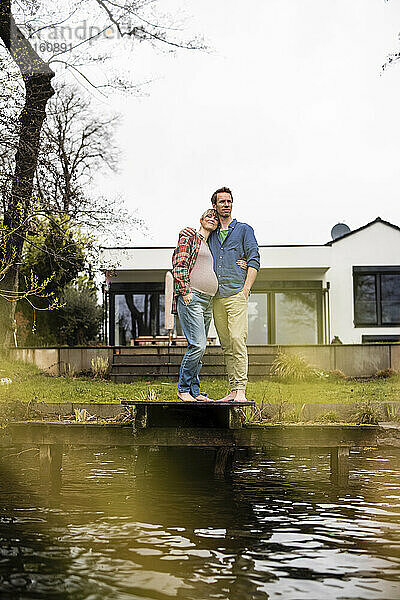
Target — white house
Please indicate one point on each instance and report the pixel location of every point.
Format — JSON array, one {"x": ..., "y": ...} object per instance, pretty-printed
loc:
[{"x": 348, "y": 288}]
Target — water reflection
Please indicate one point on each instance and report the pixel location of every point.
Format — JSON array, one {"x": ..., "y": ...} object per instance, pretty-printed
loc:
[{"x": 276, "y": 529}]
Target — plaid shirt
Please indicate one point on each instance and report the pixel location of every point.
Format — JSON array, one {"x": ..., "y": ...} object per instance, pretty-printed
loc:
[{"x": 183, "y": 260}]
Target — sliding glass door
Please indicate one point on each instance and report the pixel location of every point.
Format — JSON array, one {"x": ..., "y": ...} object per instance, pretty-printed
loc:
[
  {"x": 258, "y": 319},
  {"x": 296, "y": 318},
  {"x": 279, "y": 313},
  {"x": 286, "y": 316},
  {"x": 135, "y": 311}
]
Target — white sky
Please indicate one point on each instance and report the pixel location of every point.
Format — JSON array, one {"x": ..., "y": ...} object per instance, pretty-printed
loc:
[{"x": 291, "y": 111}]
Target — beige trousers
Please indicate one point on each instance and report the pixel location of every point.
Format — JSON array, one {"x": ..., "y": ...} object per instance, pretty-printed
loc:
[{"x": 231, "y": 323}]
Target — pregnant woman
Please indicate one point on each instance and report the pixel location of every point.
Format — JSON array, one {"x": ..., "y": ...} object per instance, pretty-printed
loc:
[{"x": 195, "y": 284}]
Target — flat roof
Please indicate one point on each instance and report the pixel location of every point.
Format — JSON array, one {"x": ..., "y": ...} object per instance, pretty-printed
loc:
[{"x": 172, "y": 247}]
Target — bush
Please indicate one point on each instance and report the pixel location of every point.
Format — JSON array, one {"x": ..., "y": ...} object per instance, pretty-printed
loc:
[
  {"x": 337, "y": 374},
  {"x": 366, "y": 414},
  {"x": 80, "y": 318},
  {"x": 329, "y": 417},
  {"x": 393, "y": 413},
  {"x": 100, "y": 366},
  {"x": 295, "y": 415},
  {"x": 260, "y": 413},
  {"x": 385, "y": 373},
  {"x": 292, "y": 367}
]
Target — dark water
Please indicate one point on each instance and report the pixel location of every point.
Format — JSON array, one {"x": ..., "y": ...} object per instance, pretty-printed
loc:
[{"x": 276, "y": 529}]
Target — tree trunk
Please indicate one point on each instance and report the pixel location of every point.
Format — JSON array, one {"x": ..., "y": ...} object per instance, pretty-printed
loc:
[{"x": 37, "y": 77}]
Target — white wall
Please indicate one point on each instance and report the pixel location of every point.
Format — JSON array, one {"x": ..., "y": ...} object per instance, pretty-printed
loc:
[
  {"x": 295, "y": 257},
  {"x": 275, "y": 257},
  {"x": 378, "y": 245},
  {"x": 141, "y": 259}
]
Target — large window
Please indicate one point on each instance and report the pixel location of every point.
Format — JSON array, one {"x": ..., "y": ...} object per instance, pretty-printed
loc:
[
  {"x": 296, "y": 318},
  {"x": 135, "y": 310},
  {"x": 376, "y": 296},
  {"x": 286, "y": 312},
  {"x": 137, "y": 315},
  {"x": 258, "y": 319},
  {"x": 280, "y": 312}
]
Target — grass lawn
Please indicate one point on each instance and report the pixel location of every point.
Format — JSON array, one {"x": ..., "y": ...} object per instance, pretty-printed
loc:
[{"x": 29, "y": 384}]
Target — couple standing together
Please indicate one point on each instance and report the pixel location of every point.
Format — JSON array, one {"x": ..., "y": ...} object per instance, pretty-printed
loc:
[{"x": 213, "y": 270}]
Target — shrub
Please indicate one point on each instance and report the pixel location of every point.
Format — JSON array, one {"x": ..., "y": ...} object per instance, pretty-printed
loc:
[
  {"x": 337, "y": 374},
  {"x": 393, "y": 413},
  {"x": 69, "y": 370},
  {"x": 366, "y": 414},
  {"x": 80, "y": 318},
  {"x": 261, "y": 413},
  {"x": 292, "y": 367},
  {"x": 329, "y": 417},
  {"x": 385, "y": 373},
  {"x": 17, "y": 410},
  {"x": 80, "y": 415},
  {"x": 295, "y": 415},
  {"x": 100, "y": 366},
  {"x": 152, "y": 393}
]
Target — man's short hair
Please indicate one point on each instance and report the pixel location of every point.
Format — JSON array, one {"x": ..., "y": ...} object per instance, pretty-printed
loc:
[{"x": 223, "y": 190}]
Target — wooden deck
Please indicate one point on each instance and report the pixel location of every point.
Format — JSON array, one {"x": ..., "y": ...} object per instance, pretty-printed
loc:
[
  {"x": 206, "y": 424},
  {"x": 254, "y": 436},
  {"x": 51, "y": 438}
]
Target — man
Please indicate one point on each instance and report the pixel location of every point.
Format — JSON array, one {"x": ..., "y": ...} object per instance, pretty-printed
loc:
[{"x": 233, "y": 241}]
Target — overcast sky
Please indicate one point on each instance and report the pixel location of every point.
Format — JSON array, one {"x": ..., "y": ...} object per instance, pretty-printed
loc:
[{"x": 291, "y": 110}]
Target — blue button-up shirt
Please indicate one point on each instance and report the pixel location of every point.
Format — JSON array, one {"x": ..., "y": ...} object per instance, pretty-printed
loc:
[{"x": 240, "y": 243}]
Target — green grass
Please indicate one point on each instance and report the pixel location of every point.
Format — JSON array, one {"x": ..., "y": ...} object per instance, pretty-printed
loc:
[{"x": 29, "y": 384}]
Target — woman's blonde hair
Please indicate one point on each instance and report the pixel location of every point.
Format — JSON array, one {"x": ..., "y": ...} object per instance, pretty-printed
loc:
[{"x": 210, "y": 212}]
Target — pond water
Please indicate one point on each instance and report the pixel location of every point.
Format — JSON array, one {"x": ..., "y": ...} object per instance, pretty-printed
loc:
[{"x": 276, "y": 528}]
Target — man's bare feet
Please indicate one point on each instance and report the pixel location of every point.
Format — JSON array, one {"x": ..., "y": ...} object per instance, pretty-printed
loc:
[
  {"x": 241, "y": 396},
  {"x": 202, "y": 397},
  {"x": 231, "y": 396},
  {"x": 185, "y": 396}
]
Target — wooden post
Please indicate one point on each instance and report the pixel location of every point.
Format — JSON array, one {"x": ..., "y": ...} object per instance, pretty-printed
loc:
[
  {"x": 340, "y": 465},
  {"x": 50, "y": 463},
  {"x": 140, "y": 417},
  {"x": 223, "y": 460},
  {"x": 235, "y": 418}
]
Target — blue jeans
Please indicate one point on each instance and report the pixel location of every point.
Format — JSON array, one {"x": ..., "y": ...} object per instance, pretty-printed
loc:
[{"x": 195, "y": 320}]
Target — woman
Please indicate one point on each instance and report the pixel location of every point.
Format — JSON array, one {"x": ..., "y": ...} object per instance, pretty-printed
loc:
[{"x": 195, "y": 284}]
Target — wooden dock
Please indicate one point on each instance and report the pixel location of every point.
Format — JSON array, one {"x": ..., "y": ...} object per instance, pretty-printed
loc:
[{"x": 217, "y": 425}]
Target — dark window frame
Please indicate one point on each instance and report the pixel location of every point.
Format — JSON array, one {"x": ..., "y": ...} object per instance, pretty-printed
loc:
[
  {"x": 377, "y": 272},
  {"x": 380, "y": 339},
  {"x": 272, "y": 287},
  {"x": 134, "y": 288}
]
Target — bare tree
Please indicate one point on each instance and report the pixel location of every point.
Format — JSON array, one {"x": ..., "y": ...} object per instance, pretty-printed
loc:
[
  {"x": 134, "y": 20},
  {"x": 76, "y": 144}
]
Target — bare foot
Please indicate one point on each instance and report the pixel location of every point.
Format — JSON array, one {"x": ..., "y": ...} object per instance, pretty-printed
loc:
[
  {"x": 241, "y": 396},
  {"x": 185, "y": 396},
  {"x": 231, "y": 396},
  {"x": 202, "y": 397}
]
